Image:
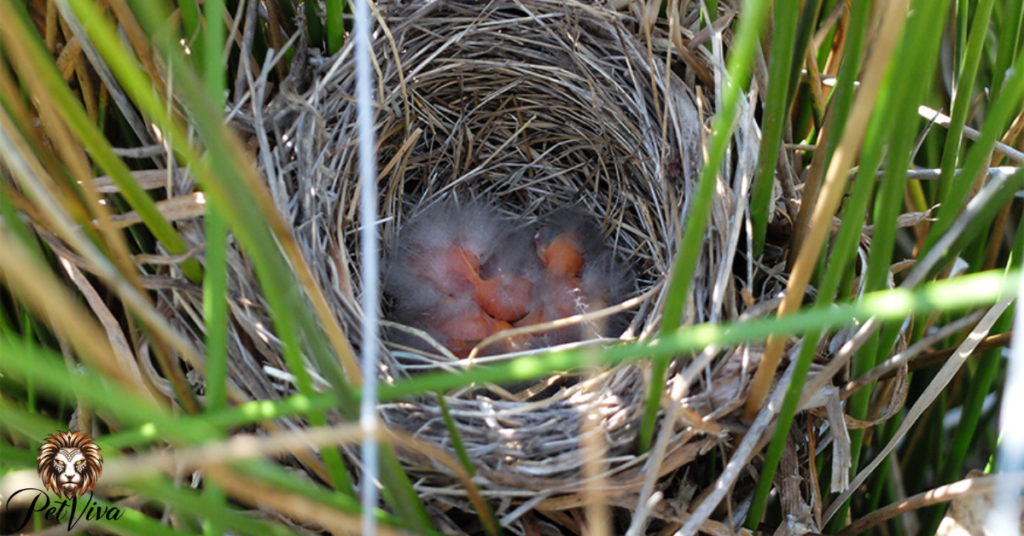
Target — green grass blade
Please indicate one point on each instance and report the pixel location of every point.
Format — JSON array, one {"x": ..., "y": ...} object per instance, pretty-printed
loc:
[
  {"x": 978, "y": 387},
  {"x": 335, "y": 25},
  {"x": 27, "y": 361},
  {"x": 962, "y": 101},
  {"x": 780, "y": 65},
  {"x": 849, "y": 70},
  {"x": 276, "y": 476},
  {"x": 27, "y": 422},
  {"x": 804, "y": 33},
  {"x": 215, "y": 282},
  {"x": 740, "y": 64},
  {"x": 491, "y": 529},
  {"x": 193, "y": 26},
  {"x": 134, "y": 522},
  {"x": 245, "y": 414},
  {"x": 784, "y": 420},
  {"x": 185, "y": 499},
  {"x": 315, "y": 26},
  {"x": 1009, "y": 38},
  {"x": 15, "y": 458},
  {"x": 453, "y": 432}
]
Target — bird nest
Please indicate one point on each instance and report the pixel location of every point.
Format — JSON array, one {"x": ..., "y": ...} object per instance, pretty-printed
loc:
[{"x": 532, "y": 105}]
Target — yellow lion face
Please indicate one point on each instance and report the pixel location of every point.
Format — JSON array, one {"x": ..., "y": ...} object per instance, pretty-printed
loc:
[{"x": 69, "y": 463}]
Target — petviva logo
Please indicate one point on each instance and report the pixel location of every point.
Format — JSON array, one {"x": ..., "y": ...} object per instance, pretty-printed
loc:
[
  {"x": 70, "y": 464},
  {"x": 65, "y": 509}
]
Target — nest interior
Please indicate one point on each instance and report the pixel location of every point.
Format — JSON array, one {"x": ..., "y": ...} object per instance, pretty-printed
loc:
[{"x": 533, "y": 105}]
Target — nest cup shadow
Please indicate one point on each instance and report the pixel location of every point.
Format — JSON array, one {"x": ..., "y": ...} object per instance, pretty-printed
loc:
[{"x": 535, "y": 106}]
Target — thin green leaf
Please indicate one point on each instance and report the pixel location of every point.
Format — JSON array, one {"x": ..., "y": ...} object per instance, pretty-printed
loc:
[
  {"x": 215, "y": 282},
  {"x": 740, "y": 64},
  {"x": 335, "y": 25},
  {"x": 780, "y": 65},
  {"x": 962, "y": 95}
]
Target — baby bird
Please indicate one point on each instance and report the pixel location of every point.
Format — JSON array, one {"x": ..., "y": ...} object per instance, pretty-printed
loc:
[
  {"x": 580, "y": 274},
  {"x": 456, "y": 275},
  {"x": 504, "y": 296}
]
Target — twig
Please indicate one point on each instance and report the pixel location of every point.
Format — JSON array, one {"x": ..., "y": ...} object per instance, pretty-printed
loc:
[
  {"x": 983, "y": 484},
  {"x": 899, "y": 359},
  {"x": 944, "y": 120}
]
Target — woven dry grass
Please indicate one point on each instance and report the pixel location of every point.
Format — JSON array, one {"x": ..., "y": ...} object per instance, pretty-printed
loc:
[{"x": 533, "y": 105}]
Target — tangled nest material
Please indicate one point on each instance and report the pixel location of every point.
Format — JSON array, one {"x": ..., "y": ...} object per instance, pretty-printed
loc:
[{"x": 533, "y": 105}]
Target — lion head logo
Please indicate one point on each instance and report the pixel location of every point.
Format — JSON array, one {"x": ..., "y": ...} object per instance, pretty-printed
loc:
[{"x": 69, "y": 463}]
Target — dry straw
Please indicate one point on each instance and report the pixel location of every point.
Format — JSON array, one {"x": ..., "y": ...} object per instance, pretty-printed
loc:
[{"x": 534, "y": 105}]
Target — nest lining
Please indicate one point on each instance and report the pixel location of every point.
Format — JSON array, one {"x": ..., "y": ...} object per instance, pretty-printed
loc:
[{"x": 533, "y": 105}]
